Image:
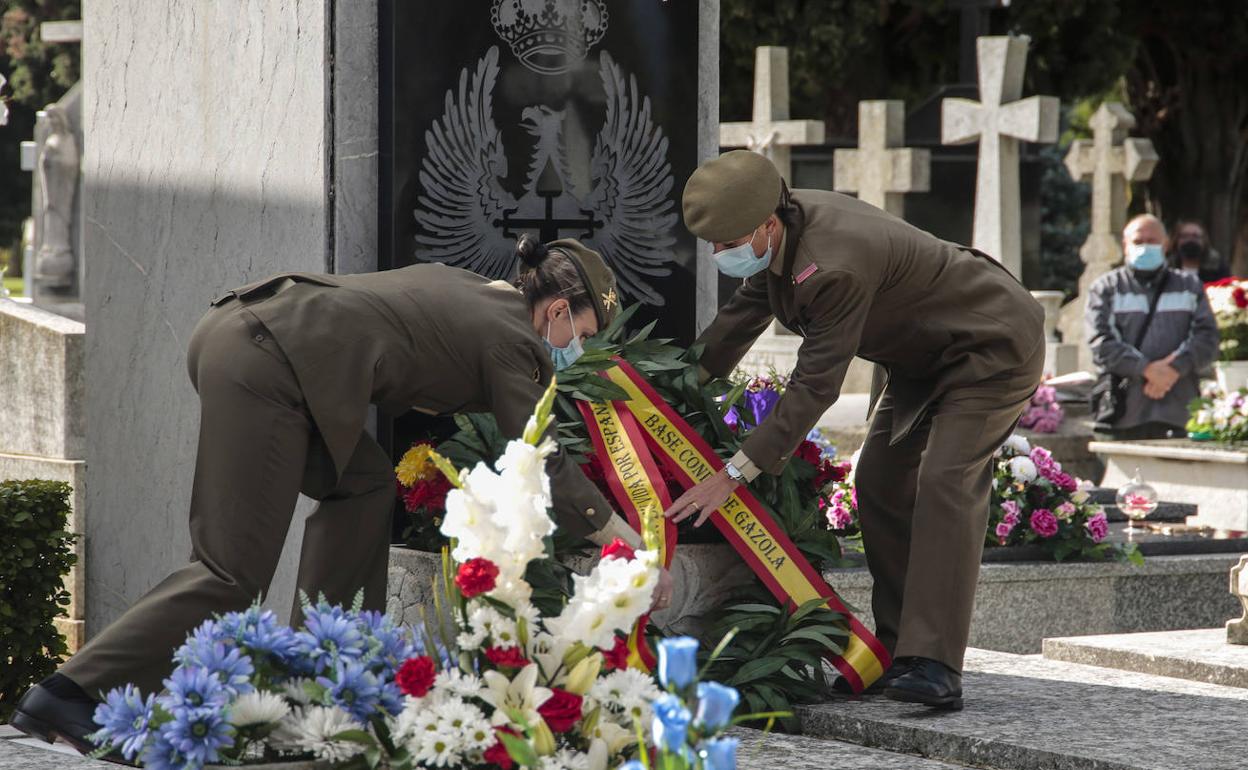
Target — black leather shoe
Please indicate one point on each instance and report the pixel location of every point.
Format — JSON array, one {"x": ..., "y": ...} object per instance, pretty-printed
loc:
[
  {"x": 929, "y": 682},
  {"x": 898, "y": 668},
  {"x": 47, "y": 716}
]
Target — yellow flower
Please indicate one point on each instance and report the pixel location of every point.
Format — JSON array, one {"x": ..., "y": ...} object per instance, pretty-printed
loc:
[{"x": 416, "y": 465}]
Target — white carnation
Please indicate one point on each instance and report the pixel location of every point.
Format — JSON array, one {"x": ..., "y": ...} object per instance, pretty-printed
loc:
[
  {"x": 1014, "y": 446},
  {"x": 626, "y": 695},
  {"x": 1023, "y": 469}
]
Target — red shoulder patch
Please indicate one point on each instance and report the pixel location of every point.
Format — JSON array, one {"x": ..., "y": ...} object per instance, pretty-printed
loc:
[{"x": 810, "y": 270}]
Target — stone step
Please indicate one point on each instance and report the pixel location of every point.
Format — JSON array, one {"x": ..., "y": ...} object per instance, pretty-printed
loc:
[
  {"x": 1201, "y": 655},
  {"x": 1027, "y": 713},
  {"x": 769, "y": 751},
  {"x": 21, "y": 753}
]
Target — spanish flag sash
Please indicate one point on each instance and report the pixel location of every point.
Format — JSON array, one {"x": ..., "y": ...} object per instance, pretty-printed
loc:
[{"x": 630, "y": 435}]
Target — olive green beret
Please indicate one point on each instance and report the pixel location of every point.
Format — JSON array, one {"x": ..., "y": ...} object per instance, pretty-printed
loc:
[
  {"x": 729, "y": 196},
  {"x": 598, "y": 278}
]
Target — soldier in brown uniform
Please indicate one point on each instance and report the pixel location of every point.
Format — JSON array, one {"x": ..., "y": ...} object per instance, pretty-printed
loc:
[
  {"x": 962, "y": 344},
  {"x": 286, "y": 369}
]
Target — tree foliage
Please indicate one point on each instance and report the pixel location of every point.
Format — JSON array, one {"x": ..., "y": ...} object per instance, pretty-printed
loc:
[{"x": 1183, "y": 65}]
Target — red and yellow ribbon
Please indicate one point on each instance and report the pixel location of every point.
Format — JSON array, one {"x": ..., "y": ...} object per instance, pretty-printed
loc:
[{"x": 628, "y": 448}]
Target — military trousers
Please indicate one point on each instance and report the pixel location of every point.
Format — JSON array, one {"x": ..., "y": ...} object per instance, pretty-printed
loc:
[
  {"x": 923, "y": 505},
  {"x": 258, "y": 449}
]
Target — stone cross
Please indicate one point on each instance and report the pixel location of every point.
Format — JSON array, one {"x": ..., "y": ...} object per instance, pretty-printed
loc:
[
  {"x": 1237, "y": 629},
  {"x": 1110, "y": 160},
  {"x": 771, "y": 132},
  {"x": 881, "y": 169},
  {"x": 998, "y": 121}
]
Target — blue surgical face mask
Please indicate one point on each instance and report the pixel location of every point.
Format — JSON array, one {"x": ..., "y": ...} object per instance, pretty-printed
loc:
[
  {"x": 1145, "y": 257},
  {"x": 741, "y": 261},
  {"x": 565, "y": 356}
]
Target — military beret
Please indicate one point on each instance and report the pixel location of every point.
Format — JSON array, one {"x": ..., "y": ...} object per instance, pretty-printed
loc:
[
  {"x": 596, "y": 275},
  {"x": 730, "y": 196}
]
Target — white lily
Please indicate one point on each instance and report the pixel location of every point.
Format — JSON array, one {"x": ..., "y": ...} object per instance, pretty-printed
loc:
[{"x": 520, "y": 694}]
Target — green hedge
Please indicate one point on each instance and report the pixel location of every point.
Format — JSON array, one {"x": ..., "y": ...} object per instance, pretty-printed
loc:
[{"x": 36, "y": 552}]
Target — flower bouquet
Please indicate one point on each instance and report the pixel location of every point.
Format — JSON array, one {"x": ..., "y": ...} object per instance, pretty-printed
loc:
[
  {"x": 1043, "y": 414},
  {"x": 1035, "y": 502},
  {"x": 1219, "y": 416},
  {"x": 489, "y": 681},
  {"x": 1229, "y": 300}
]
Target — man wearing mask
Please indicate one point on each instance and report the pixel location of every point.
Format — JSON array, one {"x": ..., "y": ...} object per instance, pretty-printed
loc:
[
  {"x": 1191, "y": 253},
  {"x": 962, "y": 343},
  {"x": 1151, "y": 325}
]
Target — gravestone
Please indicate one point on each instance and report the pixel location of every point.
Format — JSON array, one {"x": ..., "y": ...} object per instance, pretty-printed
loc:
[
  {"x": 1237, "y": 629},
  {"x": 560, "y": 119},
  {"x": 882, "y": 169},
  {"x": 198, "y": 179},
  {"x": 1111, "y": 160},
  {"x": 43, "y": 423},
  {"x": 772, "y": 133},
  {"x": 998, "y": 121}
]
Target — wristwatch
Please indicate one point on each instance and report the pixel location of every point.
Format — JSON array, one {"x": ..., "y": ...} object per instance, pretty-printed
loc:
[{"x": 734, "y": 473}]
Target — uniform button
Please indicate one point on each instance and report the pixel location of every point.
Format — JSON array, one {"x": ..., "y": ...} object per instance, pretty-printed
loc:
[
  {"x": 589, "y": 512},
  {"x": 259, "y": 338}
]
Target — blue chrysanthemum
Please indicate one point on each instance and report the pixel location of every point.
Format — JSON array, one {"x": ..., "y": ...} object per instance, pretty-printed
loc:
[
  {"x": 192, "y": 687},
  {"x": 199, "y": 734},
  {"x": 160, "y": 754},
  {"x": 125, "y": 721},
  {"x": 354, "y": 689},
  {"x": 329, "y": 634},
  {"x": 205, "y": 634},
  {"x": 391, "y": 699},
  {"x": 388, "y": 645},
  {"x": 231, "y": 665}
]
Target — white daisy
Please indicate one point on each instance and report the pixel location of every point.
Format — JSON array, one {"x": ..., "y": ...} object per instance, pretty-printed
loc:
[
  {"x": 257, "y": 708},
  {"x": 314, "y": 731},
  {"x": 455, "y": 683},
  {"x": 438, "y": 748}
]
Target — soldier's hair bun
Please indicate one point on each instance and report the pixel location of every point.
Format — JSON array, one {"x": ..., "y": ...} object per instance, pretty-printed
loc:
[{"x": 531, "y": 251}]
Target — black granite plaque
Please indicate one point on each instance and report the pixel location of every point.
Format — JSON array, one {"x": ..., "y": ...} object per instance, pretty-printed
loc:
[{"x": 562, "y": 118}]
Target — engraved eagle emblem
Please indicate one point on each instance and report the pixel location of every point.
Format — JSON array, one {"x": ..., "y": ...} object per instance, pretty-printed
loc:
[{"x": 469, "y": 218}]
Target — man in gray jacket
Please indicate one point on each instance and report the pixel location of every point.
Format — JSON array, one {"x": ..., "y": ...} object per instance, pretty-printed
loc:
[{"x": 1182, "y": 339}]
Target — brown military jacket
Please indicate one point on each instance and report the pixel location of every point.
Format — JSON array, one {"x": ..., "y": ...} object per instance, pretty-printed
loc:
[
  {"x": 856, "y": 281},
  {"x": 429, "y": 337}
]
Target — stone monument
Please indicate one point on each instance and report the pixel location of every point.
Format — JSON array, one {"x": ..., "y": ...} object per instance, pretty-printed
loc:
[
  {"x": 1059, "y": 357},
  {"x": 882, "y": 169},
  {"x": 1111, "y": 160},
  {"x": 57, "y": 172},
  {"x": 1237, "y": 630},
  {"x": 998, "y": 121}
]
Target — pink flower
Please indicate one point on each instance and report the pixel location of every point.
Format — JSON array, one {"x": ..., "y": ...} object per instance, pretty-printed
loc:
[
  {"x": 839, "y": 517},
  {"x": 1065, "y": 482},
  {"x": 1065, "y": 510},
  {"x": 1043, "y": 522},
  {"x": 1003, "y": 532},
  {"x": 1097, "y": 526},
  {"x": 1011, "y": 509}
]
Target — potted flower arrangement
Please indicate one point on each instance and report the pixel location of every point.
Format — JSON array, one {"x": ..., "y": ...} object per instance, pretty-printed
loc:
[
  {"x": 1229, "y": 300},
  {"x": 1043, "y": 414},
  {"x": 1034, "y": 503},
  {"x": 1219, "y": 415},
  {"x": 488, "y": 682}
]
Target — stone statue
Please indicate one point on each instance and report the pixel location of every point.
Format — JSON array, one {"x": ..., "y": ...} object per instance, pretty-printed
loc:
[
  {"x": 57, "y": 168},
  {"x": 1237, "y": 630}
]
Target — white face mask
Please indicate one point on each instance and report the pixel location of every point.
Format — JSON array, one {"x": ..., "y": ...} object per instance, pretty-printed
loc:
[{"x": 741, "y": 261}]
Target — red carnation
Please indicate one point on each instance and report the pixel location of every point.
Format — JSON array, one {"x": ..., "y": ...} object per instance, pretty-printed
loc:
[
  {"x": 507, "y": 657},
  {"x": 416, "y": 676},
  {"x": 497, "y": 754},
  {"x": 427, "y": 495},
  {"x": 810, "y": 452},
  {"x": 1240, "y": 297},
  {"x": 831, "y": 473},
  {"x": 616, "y": 658},
  {"x": 476, "y": 577},
  {"x": 562, "y": 710},
  {"x": 618, "y": 549}
]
